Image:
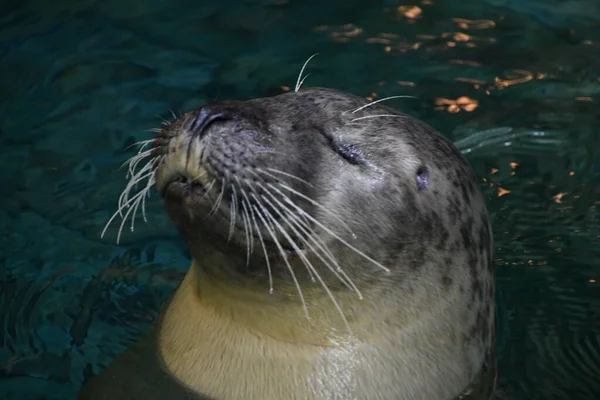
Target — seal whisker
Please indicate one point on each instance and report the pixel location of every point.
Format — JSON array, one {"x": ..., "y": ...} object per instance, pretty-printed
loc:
[
  {"x": 284, "y": 174},
  {"x": 232, "y": 216},
  {"x": 130, "y": 209},
  {"x": 344, "y": 278},
  {"x": 286, "y": 156},
  {"x": 124, "y": 200},
  {"x": 143, "y": 143},
  {"x": 332, "y": 264},
  {"x": 280, "y": 248},
  {"x": 299, "y": 81},
  {"x": 208, "y": 188},
  {"x": 329, "y": 231},
  {"x": 149, "y": 185},
  {"x": 261, "y": 240},
  {"x": 383, "y": 99},
  {"x": 219, "y": 198},
  {"x": 135, "y": 160},
  {"x": 248, "y": 235},
  {"x": 302, "y": 223},
  {"x": 132, "y": 162},
  {"x": 250, "y": 229},
  {"x": 139, "y": 176},
  {"x": 141, "y": 200},
  {"x": 307, "y": 262},
  {"x": 316, "y": 204},
  {"x": 377, "y": 116}
]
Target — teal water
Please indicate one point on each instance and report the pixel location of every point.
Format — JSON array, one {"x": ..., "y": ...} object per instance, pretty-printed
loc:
[{"x": 82, "y": 80}]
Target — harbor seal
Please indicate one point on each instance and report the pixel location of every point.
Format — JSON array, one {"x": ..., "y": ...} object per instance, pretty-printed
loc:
[{"x": 340, "y": 250}]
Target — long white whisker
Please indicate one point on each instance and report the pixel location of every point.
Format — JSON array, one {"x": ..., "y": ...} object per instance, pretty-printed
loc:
[
  {"x": 262, "y": 242},
  {"x": 314, "y": 203},
  {"x": 135, "y": 160},
  {"x": 151, "y": 181},
  {"x": 232, "y": 216},
  {"x": 319, "y": 224},
  {"x": 129, "y": 211},
  {"x": 219, "y": 198},
  {"x": 377, "y": 116},
  {"x": 250, "y": 230},
  {"x": 302, "y": 81},
  {"x": 299, "y": 81},
  {"x": 337, "y": 270},
  {"x": 246, "y": 223},
  {"x": 283, "y": 173},
  {"x": 144, "y": 173},
  {"x": 210, "y": 185},
  {"x": 281, "y": 251},
  {"x": 384, "y": 99},
  {"x": 308, "y": 265},
  {"x": 143, "y": 143}
]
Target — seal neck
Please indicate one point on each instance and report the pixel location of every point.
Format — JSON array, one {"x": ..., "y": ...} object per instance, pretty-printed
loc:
[{"x": 281, "y": 314}]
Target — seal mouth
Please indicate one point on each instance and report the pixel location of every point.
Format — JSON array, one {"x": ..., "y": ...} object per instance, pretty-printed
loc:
[{"x": 179, "y": 186}]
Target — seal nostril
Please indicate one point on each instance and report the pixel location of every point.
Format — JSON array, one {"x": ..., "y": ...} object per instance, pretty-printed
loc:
[
  {"x": 203, "y": 119},
  {"x": 422, "y": 178}
]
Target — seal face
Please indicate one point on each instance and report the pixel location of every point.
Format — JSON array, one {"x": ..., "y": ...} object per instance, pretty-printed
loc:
[{"x": 341, "y": 250}]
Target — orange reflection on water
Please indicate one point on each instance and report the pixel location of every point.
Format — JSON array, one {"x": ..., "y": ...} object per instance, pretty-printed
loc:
[
  {"x": 467, "y": 24},
  {"x": 410, "y": 12},
  {"x": 341, "y": 34},
  {"x": 522, "y": 77},
  {"x": 476, "y": 82},
  {"x": 502, "y": 191},
  {"x": 558, "y": 197},
  {"x": 465, "y": 62},
  {"x": 462, "y": 103}
]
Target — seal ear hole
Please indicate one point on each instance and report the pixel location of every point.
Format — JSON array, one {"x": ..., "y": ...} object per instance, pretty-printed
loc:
[{"x": 422, "y": 178}]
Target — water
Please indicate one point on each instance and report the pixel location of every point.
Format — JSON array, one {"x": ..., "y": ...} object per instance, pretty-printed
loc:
[{"x": 83, "y": 80}]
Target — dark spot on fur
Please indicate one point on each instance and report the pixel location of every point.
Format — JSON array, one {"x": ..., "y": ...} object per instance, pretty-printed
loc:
[
  {"x": 446, "y": 281},
  {"x": 465, "y": 234},
  {"x": 477, "y": 290},
  {"x": 465, "y": 193},
  {"x": 418, "y": 258},
  {"x": 422, "y": 178},
  {"x": 443, "y": 238}
]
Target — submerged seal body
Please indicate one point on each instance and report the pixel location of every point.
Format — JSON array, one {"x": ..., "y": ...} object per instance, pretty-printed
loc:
[{"x": 341, "y": 250}]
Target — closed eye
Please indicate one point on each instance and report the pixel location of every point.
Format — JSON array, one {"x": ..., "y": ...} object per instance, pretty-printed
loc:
[{"x": 348, "y": 152}]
